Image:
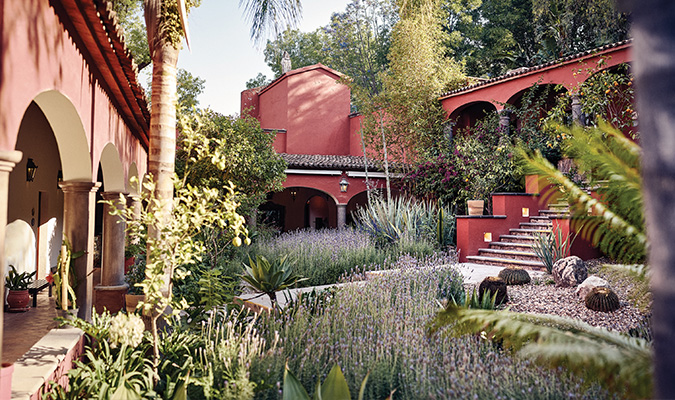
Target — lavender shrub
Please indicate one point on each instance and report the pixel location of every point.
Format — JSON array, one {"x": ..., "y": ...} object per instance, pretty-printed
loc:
[
  {"x": 323, "y": 256},
  {"x": 380, "y": 326}
]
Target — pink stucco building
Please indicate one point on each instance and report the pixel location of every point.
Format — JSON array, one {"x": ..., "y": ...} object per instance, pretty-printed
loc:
[{"x": 318, "y": 136}]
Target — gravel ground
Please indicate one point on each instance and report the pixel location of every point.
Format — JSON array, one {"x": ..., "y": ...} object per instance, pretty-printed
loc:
[{"x": 544, "y": 298}]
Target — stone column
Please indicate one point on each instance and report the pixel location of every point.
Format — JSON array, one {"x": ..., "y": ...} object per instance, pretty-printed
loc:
[
  {"x": 78, "y": 226},
  {"x": 341, "y": 215},
  {"x": 8, "y": 159},
  {"x": 110, "y": 293},
  {"x": 576, "y": 110},
  {"x": 505, "y": 120}
]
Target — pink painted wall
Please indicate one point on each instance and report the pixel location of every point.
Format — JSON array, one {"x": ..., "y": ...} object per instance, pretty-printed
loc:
[
  {"x": 329, "y": 185},
  {"x": 313, "y": 108},
  {"x": 37, "y": 56},
  {"x": 470, "y": 231}
]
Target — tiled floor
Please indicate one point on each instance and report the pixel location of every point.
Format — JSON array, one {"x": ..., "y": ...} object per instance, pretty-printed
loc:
[{"x": 23, "y": 330}]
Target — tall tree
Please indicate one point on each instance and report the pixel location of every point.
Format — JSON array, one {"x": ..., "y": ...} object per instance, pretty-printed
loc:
[
  {"x": 404, "y": 121},
  {"x": 654, "y": 66}
]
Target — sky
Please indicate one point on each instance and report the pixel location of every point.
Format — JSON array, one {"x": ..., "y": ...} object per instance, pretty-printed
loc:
[{"x": 223, "y": 54}]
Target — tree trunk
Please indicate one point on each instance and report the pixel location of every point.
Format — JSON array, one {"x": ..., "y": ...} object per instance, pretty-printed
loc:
[
  {"x": 386, "y": 156},
  {"x": 162, "y": 152},
  {"x": 654, "y": 67}
]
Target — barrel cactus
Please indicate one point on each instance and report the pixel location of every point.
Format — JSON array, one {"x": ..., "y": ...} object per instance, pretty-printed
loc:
[
  {"x": 602, "y": 299},
  {"x": 514, "y": 276},
  {"x": 491, "y": 285}
]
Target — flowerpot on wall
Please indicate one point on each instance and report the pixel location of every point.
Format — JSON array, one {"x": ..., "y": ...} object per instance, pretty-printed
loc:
[
  {"x": 18, "y": 300},
  {"x": 6, "y": 381},
  {"x": 132, "y": 300},
  {"x": 475, "y": 207}
]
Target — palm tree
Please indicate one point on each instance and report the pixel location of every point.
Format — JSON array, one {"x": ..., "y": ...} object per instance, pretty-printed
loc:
[
  {"x": 654, "y": 68},
  {"x": 166, "y": 23}
]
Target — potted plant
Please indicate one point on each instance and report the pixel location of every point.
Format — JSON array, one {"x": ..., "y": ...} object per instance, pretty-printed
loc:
[
  {"x": 135, "y": 276},
  {"x": 65, "y": 280},
  {"x": 18, "y": 299}
]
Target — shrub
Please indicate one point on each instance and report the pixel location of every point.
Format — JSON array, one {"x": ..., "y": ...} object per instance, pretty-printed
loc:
[
  {"x": 551, "y": 247},
  {"x": 379, "y": 327}
]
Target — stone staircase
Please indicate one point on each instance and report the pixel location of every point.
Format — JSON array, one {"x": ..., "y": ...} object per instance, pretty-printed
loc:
[{"x": 515, "y": 249}]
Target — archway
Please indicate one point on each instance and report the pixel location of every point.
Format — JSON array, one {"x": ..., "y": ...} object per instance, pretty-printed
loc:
[
  {"x": 359, "y": 200},
  {"x": 293, "y": 208},
  {"x": 466, "y": 116},
  {"x": 317, "y": 212}
]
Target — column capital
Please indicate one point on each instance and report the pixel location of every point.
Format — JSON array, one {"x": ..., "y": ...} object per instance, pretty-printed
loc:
[
  {"x": 75, "y": 186},
  {"x": 8, "y": 159}
]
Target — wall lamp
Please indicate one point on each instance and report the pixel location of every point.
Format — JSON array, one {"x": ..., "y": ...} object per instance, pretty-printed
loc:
[
  {"x": 294, "y": 193},
  {"x": 344, "y": 184},
  {"x": 31, "y": 169}
]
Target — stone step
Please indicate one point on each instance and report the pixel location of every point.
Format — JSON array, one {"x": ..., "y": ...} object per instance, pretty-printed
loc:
[
  {"x": 536, "y": 225},
  {"x": 510, "y": 254},
  {"x": 504, "y": 262},
  {"x": 541, "y": 219},
  {"x": 516, "y": 238},
  {"x": 553, "y": 213},
  {"x": 511, "y": 246},
  {"x": 528, "y": 232}
]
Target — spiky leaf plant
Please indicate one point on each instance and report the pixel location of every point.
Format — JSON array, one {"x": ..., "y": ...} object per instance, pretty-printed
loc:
[
  {"x": 551, "y": 247},
  {"x": 618, "y": 361},
  {"x": 602, "y": 299},
  {"x": 269, "y": 277},
  {"x": 611, "y": 162},
  {"x": 514, "y": 276}
]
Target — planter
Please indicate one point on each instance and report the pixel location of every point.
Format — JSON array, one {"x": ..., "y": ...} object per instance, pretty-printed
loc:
[
  {"x": 18, "y": 300},
  {"x": 132, "y": 300},
  {"x": 475, "y": 207},
  {"x": 6, "y": 381}
]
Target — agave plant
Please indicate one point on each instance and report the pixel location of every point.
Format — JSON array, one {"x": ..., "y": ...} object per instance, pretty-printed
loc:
[
  {"x": 269, "y": 277},
  {"x": 551, "y": 247},
  {"x": 611, "y": 162},
  {"x": 335, "y": 387},
  {"x": 620, "y": 362}
]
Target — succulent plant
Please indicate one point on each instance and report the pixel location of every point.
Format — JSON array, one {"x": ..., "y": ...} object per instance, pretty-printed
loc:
[
  {"x": 602, "y": 299},
  {"x": 514, "y": 276},
  {"x": 493, "y": 285}
]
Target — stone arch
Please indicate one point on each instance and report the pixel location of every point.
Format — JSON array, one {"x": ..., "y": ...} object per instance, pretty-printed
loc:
[
  {"x": 113, "y": 171},
  {"x": 70, "y": 136},
  {"x": 466, "y": 115}
]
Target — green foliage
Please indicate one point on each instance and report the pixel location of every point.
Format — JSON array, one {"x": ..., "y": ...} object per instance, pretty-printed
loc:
[
  {"x": 602, "y": 299},
  {"x": 326, "y": 256},
  {"x": 219, "y": 149},
  {"x": 188, "y": 87},
  {"x": 551, "y": 247},
  {"x": 270, "y": 15},
  {"x": 136, "y": 275},
  {"x": 389, "y": 222},
  {"x": 335, "y": 387},
  {"x": 493, "y": 36},
  {"x": 65, "y": 279},
  {"x": 611, "y": 162},
  {"x": 225, "y": 352},
  {"x": 259, "y": 81},
  {"x": 18, "y": 281},
  {"x": 620, "y": 362},
  {"x": 474, "y": 301},
  {"x": 270, "y": 277}
]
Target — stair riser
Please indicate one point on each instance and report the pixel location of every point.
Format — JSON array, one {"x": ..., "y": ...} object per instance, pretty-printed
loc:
[
  {"x": 510, "y": 246},
  {"x": 526, "y": 232},
  {"x": 541, "y": 220},
  {"x": 508, "y": 256},
  {"x": 499, "y": 264},
  {"x": 522, "y": 239}
]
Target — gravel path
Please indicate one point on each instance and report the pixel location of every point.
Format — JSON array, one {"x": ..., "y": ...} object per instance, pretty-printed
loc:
[{"x": 545, "y": 298}]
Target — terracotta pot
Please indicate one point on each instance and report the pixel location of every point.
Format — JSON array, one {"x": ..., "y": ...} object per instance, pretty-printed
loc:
[
  {"x": 18, "y": 301},
  {"x": 6, "y": 381},
  {"x": 132, "y": 300},
  {"x": 475, "y": 207}
]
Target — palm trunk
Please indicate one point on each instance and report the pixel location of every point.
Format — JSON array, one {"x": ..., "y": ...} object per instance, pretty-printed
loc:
[
  {"x": 654, "y": 66},
  {"x": 162, "y": 152}
]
